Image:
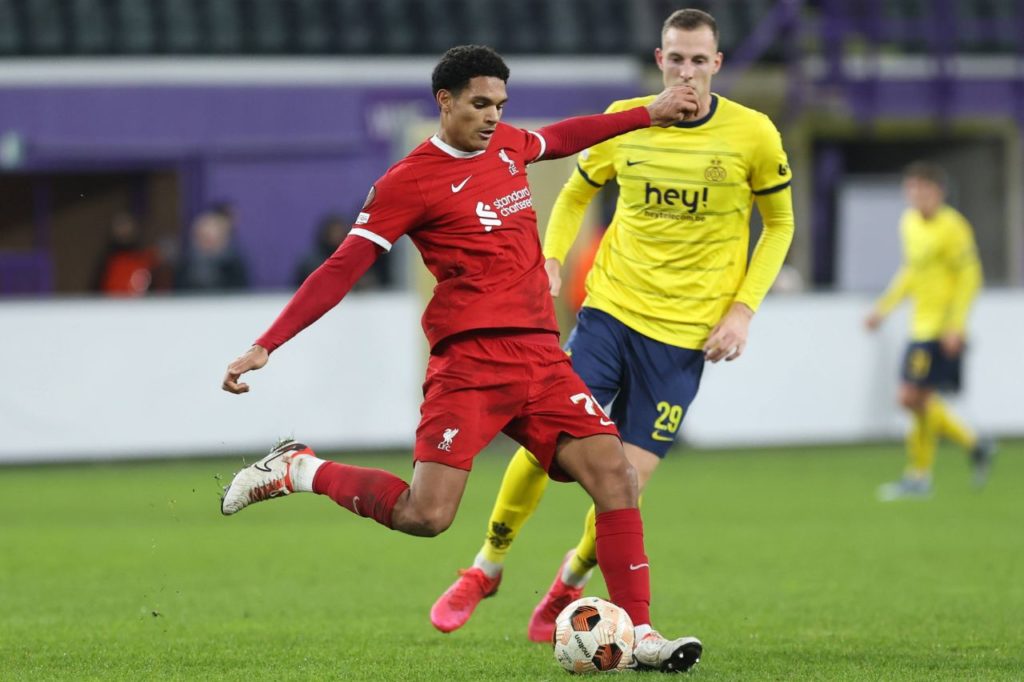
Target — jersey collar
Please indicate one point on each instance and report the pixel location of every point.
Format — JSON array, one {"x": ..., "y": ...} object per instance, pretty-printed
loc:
[
  {"x": 704, "y": 119},
  {"x": 452, "y": 151}
]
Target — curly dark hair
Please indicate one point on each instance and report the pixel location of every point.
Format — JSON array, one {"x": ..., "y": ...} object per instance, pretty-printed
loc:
[{"x": 461, "y": 63}]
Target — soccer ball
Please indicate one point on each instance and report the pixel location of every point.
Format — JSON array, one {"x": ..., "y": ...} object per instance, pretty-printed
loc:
[{"x": 593, "y": 635}]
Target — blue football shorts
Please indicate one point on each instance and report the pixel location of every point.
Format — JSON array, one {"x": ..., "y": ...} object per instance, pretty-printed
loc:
[
  {"x": 645, "y": 385},
  {"x": 927, "y": 366}
]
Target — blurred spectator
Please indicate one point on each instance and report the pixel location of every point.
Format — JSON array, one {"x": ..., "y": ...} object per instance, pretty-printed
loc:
[
  {"x": 226, "y": 210},
  {"x": 126, "y": 267},
  {"x": 328, "y": 237},
  {"x": 211, "y": 263},
  {"x": 332, "y": 231},
  {"x": 168, "y": 250}
]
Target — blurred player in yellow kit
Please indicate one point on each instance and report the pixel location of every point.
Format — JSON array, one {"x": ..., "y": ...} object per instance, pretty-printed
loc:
[
  {"x": 941, "y": 274},
  {"x": 669, "y": 288}
]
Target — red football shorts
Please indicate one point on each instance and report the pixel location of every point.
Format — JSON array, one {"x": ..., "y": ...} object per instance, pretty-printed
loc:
[{"x": 521, "y": 384}]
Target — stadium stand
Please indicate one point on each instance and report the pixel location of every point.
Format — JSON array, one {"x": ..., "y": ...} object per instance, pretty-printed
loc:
[
  {"x": 220, "y": 27},
  {"x": 324, "y": 27}
]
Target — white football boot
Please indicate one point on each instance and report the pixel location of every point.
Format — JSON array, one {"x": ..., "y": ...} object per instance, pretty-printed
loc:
[
  {"x": 907, "y": 488},
  {"x": 654, "y": 652},
  {"x": 266, "y": 479}
]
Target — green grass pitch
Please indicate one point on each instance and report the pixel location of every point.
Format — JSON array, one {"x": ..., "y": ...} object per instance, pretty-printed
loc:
[{"x": 780, "y": 560}]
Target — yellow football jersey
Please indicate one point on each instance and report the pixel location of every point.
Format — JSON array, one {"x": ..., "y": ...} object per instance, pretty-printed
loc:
[
  {"x": 674, "y": 257},
  {"x": 941, "y": 273}
]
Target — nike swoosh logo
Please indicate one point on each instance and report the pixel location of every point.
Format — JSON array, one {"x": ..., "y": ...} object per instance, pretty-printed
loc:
[
  {"x": 355, "y": 505},
  {"x": 283, "y": 450},
  {"x": 458, "y": 187},
  {"x": 637, "y": 567},
  {"x": 657, "y": 436},
  {"x": 263, "y": 467},
  {"x": 633, "y": 163},
  {"x": 606, "y": 422}
]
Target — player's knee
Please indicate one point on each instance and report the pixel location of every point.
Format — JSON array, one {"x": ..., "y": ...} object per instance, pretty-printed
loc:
[
  {"x": 912, "y": 398},
  {"x": 625, "y": 472},
  {"x": 614, "y": 482},
  {"x": 430, "y": 522},
  {"x": 424, "y": 520}
]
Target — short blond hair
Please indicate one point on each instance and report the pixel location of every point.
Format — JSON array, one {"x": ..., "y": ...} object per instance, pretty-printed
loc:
[{"x": 690, "y": 20}]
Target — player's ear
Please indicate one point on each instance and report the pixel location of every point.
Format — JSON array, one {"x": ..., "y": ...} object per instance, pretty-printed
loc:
[
  {"x": 719, "y": 57},
  {"x": 444, "y": 101},
  {"x": 659, "y": 57}
]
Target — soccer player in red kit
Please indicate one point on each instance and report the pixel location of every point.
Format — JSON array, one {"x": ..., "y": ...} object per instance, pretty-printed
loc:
[{"x": 495, "y": 364}]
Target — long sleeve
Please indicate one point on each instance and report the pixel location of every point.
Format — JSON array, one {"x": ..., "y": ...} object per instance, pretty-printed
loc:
[
  {"x": 897, "y": 290},
  {"x": 776, "y": 210},
  {"x": 321, "y": 291},
  {"x": 567, "y": 216},
  {"x": 968, "y": 283},
  {"x": 576, "y": 134}
]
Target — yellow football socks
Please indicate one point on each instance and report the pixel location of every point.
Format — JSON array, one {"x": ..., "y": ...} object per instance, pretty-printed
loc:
[
  {"x": 948, "y": 425},
  {"x": 936, "y": 421},
  {"x": 922, "y": 442},
  {"x": 521, "y": 489},
  {"x": 585, "y": 557}
]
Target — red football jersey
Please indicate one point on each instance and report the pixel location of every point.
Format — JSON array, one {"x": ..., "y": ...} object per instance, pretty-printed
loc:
[{"x": 471, "y": 216}]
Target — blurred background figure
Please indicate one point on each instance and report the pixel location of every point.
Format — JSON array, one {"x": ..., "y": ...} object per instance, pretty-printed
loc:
[
  {"x": 941, "y": 275},
  {"x": 127, "y": 267},
  {"x": 227, "y": 211},
  {"x": 210, "y": 262},
  {"x": 329, "y": 235}
]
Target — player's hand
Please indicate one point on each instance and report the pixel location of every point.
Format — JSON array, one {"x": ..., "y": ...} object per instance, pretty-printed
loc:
[
  {"x": 701, "y": 110},
  {"x": 952, "y": 344},
  {"x": 729, "y": 337},
  {"x": 873, "y": 321},
  {"x": 554, "y": 270},
  {"x": 254, "y": 358},
  {"x": 674, "y": 104}
]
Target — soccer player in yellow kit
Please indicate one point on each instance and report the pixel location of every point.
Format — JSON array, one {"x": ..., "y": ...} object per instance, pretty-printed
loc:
[
  {"x": 669, "y": 288},
  {"x": 941, "y": 274}
]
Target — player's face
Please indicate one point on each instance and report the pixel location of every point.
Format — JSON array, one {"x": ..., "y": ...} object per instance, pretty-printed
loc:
[
  {"x": 924, "y": 195},
  {"x": 469, "y": 119},
  {"x": 689, "y": 58}
]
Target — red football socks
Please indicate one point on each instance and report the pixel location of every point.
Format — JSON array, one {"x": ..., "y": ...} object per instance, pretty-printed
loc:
[
  {"x": 364, "y": 492},
  {"x": 620, "y": 554}
]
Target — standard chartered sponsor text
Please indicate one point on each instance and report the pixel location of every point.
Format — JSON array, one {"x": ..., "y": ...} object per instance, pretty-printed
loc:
[{"x": 513, "y": 202}]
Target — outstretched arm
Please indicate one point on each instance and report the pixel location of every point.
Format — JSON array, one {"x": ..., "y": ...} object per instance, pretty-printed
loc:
[
  {"x": 321, "y": 291},
  {"x": 572, "y": 135},
  {"x": 897, "y": 290}
]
